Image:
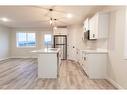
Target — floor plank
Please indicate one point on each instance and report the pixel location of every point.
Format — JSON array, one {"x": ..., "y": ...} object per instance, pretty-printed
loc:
[{"x": 21, "y": 73}]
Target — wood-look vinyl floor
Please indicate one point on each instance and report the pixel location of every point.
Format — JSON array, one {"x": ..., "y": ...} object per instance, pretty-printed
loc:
[{"x": 22, "y": 74}]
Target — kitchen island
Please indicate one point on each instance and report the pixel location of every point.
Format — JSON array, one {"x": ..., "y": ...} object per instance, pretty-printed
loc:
[{"x": 48, "y": 62}]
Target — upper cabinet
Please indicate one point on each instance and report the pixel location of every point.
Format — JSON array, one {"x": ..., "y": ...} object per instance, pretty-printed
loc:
[
  {"x": 86, "y": 25},
  {"x": 60, "y": 31},
  {"x": 98, "y": 26},
  {"x": 93, "y": 30}
]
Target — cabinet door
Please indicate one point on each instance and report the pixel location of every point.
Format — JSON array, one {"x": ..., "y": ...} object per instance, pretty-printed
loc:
[
  {"x": 80, "y": 57},
  {"x": 103, "y": 26},
  {"x": 86, "y": 67},
  {"x": 83, "y": 59},
  {"x": 94, "y": 27},
  {"x": 77, "y": 55},
  {"x": 86, "y": 25},
  {"x": 97, "y": 66},
  {"x": 84, "y": 62}
]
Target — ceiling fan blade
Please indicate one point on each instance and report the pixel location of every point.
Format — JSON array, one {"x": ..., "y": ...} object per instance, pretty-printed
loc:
[
  {"x": 39, "y": 21},
  {"x": 60, "y": 18},
  {"x": 52, "y": 7},
  {"x": 63, "y": 12},
  {"x": 48, "y": 9},
  {"x": 62, "y": 22},
  {"x": 39, "y": 7},
  {"x": 47, "y": 13},
  {"x": 56, "y": 9}
]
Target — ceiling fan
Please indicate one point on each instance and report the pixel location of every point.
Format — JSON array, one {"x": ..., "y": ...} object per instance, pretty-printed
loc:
[{"x": 52, "y": 20}]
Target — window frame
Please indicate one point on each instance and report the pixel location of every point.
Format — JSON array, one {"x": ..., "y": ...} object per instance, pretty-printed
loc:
[
  {"x": 26, "y": 38},
  {"x": 45, "y": 35},
  {"x": 44, "y": 39}
]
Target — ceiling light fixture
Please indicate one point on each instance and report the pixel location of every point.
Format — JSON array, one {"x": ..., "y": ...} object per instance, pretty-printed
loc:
[
  {"x": 69, "y": 15},
  {"x": 4, "y": 19},
  {"x": 55, "y": 26},
  {"x": 50, "y": 21}
]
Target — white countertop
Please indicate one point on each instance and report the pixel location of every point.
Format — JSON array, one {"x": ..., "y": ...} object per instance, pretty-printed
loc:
[
  {"x": 95, "y": 51},
  {"x": 45, "y": 50}
]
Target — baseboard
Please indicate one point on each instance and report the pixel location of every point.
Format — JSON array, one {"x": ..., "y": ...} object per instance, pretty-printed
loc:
[
  {"x": 22, "y": 57},
  {"x": 15, "y": 57},
  {"x": 4, "y": 58},
  {"x": 115, "y": 84}
]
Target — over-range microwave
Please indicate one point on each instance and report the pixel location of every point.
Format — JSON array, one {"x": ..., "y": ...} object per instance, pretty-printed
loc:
[{"x": 87, "y": 35}]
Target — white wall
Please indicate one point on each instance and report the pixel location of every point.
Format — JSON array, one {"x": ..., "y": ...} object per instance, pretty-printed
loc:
[
  {"x": 125, "y": 41},
  {"x": 117, "y": 67},
  {"x": 4, "y": 42},
  {"x": 75, "y": 39},
  {"x": 26, "y": 52}
]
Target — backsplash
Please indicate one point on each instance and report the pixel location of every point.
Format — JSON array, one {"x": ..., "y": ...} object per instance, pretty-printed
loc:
[{"x": 94, "y": 44}]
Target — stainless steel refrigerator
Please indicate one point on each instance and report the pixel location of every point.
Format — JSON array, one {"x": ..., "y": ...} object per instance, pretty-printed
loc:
[{"x": 60, "y": 41}]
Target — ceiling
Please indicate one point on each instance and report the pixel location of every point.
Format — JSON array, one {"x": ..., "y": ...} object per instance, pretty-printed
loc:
[{"x": 39, "y": 16}]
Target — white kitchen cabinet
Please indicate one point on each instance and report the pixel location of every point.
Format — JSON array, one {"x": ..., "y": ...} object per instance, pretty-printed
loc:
[
  {"x": 94, "y": 64},
  {"x": 86, "y": 25},
  {"x": 93, "y": 27},
  {"x": 60, "y": 31},
  {"x": 79, "y": 56},
  {"x": 98, "y": 26}
]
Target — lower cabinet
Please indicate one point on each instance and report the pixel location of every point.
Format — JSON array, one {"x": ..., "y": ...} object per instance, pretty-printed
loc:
[
  {"x": 95, "y": 65},
  {"x": 48, "y": 68}
]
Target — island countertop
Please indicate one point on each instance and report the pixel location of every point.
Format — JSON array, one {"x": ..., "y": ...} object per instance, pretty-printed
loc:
[{"x": 47, "y": 50}]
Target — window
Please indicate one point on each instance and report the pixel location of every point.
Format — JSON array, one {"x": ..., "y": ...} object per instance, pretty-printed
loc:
[
  {"x": 47, "y": 39},
  {"x": 25, "y": 39}
]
